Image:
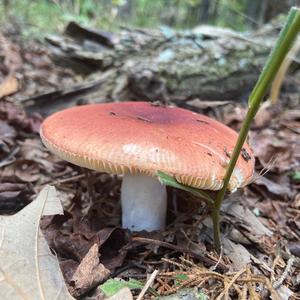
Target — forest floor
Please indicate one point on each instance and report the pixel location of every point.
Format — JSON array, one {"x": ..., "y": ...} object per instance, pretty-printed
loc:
[{"x": 260, "y": 225}]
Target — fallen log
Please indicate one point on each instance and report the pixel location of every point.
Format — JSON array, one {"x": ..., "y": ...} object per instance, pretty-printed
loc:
[{"x": 165, "y": 64}]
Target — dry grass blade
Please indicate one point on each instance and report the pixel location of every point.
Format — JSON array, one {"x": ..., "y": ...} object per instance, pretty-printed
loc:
[
  {"x": 278, "y": 80},
  {"x": 249, "y": 284},
  {"x": 284, "y": 275}
]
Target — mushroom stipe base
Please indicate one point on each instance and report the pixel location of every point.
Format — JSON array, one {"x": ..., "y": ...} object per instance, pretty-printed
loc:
[{"x": 144, "y": 203}]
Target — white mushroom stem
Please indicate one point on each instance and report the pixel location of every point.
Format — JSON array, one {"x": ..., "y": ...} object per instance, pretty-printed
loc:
[{"x": 144, "y": 203}]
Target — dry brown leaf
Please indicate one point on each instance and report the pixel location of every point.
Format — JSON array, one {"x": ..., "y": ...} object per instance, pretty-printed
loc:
[
  {"x": 273, "y": 187},
  {"x": 237, "y": 253},
  {"x": 267, "y": 113},
  {"x": 235, "y": 210},
  {"x": 8, "y": 86},
  {"x": 28, "y": 269},
  {"x": 89, "y": 273},
  {"x": 275, "y": 149}
]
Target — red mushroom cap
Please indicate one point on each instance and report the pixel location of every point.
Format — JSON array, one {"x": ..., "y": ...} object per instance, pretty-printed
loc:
[{"x": 140, "y": 137}]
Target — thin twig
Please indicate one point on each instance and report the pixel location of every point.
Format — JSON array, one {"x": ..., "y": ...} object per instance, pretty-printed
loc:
[
  {"x": 249, "y": 284},
  {"x": 274, "y": 294},
  {"x": 65, "y": 180},
  {"x": 147, "y": 285},
  {"x": 230, "y": 283},
  {"x": 243, "y": 296},
  {"x": 219, "y": 260},
  {"x": 284, "y": 275}
]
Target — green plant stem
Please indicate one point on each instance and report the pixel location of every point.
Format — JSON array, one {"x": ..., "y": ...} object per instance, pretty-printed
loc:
[
  {"x": 283, "y": 45},
  {"x": 215, "y": 216}
]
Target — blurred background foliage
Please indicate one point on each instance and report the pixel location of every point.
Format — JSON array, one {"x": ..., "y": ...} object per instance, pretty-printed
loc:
[{"x": 35, "y": 18}]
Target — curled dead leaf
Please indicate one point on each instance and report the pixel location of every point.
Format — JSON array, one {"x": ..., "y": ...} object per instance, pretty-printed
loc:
[
  {"x": 89, "y": 273},
  {"x": 273, "y": 187}
]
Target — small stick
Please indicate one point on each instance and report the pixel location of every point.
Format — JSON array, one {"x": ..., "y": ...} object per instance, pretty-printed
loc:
[
  {"x": 289, "y": 265},
  {"x": 243, "y": 296},
  {"x": 174, "y": 263},
  {"x": 274, "y": 294},
  {"x": 147, "y": 285},
  {"x": 228, "y": 285},
  {"x": 65, "y": 180},
  {"x": 90, "y": 178},
  {"x": 164, "y": 286},
  {"x": 213, "y": 268}
]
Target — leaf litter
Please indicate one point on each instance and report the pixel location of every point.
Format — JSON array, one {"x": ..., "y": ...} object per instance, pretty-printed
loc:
[{"x": 261, "y": 226}]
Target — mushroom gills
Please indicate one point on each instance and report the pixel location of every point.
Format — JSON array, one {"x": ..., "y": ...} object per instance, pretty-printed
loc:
[{"x": 144, "y": 203}]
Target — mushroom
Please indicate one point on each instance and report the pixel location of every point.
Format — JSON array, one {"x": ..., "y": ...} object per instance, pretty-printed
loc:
[{"x": 137, "y": 139}]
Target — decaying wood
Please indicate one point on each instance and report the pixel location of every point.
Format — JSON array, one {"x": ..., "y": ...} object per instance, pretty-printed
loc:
[
  {"x": 165, "y": 64},
  {"x": 58, "y": 99}
]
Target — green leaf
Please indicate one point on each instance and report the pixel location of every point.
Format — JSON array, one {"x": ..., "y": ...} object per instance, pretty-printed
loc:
[
  {"x": 296, "y": 176},
  {"x": 179, "y": 278},
  {"x": 202, "y": 296},
  {"x": 114, "y": 285},
  {"x": 170, "y": 181}
]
